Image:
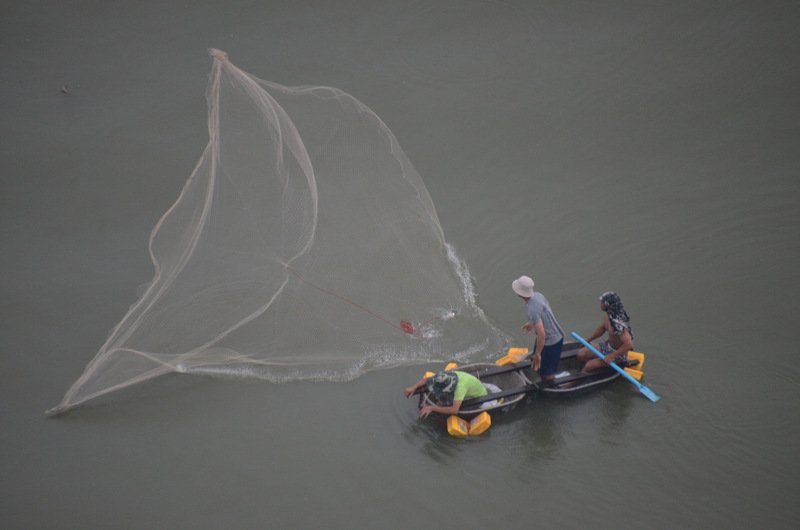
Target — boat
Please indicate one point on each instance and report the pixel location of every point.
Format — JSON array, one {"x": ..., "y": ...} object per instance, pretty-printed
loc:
[
  {"x": 513, "y": 385},
  {"x": 569, "y": 378},
  {"x": 512, "y": 374}
]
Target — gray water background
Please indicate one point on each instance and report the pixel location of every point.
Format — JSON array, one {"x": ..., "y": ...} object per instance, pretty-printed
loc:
[{"x": 645, "y": 147}]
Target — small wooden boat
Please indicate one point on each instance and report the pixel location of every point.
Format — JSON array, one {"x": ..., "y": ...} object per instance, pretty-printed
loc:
[
  {"x": 513, "y": 385},
  {"x": 569, "y": 378},
  {"x": 512, "y": 374}
]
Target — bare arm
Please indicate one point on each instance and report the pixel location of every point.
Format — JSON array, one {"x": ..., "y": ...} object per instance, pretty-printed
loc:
[
  {"x": 409, "y": 391},
  {"x": 536, "y": 360},
  {"x": 452, "y": 409},
  {"x": 597, "y": 333}
]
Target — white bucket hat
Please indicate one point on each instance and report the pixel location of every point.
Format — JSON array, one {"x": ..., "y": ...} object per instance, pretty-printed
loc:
[{"x": 523, "y": 286}]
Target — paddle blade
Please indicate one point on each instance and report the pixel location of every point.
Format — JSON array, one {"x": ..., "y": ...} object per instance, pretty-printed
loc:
[{"x": 649, "y": 393}]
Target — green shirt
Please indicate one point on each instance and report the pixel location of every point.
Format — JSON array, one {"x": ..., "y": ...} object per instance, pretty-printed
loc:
[{"x": 468, "y": 387}]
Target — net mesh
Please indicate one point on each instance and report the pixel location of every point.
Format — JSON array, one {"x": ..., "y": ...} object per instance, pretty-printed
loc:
[{"x": 304, "y": 245}]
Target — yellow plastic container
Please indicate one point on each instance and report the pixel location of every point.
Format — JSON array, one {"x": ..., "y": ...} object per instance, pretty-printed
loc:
[
  {"x": 457, "y": 427},
  {"x": 513, "y": 355},
  {"x": 503, "y": 361},
  {"x": 636, "y": 374},
  {"x": 518, "y": 353},
  {"x": 461, "y": 428},
  {"x": 480, "y": 424},
  {"x": 450, "y": 366},
  {"x": 637, "y": 356}
]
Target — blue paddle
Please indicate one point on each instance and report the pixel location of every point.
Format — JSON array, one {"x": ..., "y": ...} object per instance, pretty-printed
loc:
[{"x": 643, "y": 389}]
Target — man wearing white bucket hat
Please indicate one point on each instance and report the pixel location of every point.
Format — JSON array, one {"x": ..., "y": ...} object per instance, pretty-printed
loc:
[{"x": 549, "y": 335}]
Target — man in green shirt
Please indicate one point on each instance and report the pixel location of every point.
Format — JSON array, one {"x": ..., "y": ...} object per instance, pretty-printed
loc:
[{"x": 448, "y": 387}]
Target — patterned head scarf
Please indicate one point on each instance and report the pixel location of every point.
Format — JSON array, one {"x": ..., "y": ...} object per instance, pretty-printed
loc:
[
  {"x": 443, "y": 385},
  {"x": 619, "y": 319}
]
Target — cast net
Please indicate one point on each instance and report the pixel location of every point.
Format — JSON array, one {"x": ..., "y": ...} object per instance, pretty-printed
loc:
[{"x": 303, "y": 246}]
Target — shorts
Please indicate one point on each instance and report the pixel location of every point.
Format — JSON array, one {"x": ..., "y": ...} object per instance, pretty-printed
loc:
[
  {"x": 551, "y": 356},
  {"x": 606, "y": 349}
]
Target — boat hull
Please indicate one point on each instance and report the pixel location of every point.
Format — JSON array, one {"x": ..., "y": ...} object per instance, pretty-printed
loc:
[
  {"x": 569, "y": 378},
  {"x": 504, "y": 381},
  {"x": 517, "y": 381}
]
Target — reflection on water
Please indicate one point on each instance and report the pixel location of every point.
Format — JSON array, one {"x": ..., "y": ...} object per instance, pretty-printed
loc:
[
  {"x": 617, "y": 407},
  {"x": 537, "y": 429},
  {"x": 430, "y": 435}
]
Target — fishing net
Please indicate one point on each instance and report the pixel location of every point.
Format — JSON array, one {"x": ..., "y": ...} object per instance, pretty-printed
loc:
[{"x": 303, "y": 246}]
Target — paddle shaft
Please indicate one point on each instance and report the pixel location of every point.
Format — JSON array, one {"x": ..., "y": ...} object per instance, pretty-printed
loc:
[{"x": 643, "y": 389}]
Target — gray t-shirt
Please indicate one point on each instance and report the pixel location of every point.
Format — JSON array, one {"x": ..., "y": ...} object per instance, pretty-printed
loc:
[{"x": 539, "y": 310}]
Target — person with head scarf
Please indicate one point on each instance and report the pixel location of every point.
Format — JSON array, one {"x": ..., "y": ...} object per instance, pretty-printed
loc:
[
  {"x": 542, "y": 321},
  {"x": 616, "y": 325},
  {"x": 449, "y": 389}
]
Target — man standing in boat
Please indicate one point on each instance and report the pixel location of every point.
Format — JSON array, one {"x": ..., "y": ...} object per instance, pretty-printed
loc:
[
  {"x": 549, "y": 335},
  {"x": 616, "y": 324}
]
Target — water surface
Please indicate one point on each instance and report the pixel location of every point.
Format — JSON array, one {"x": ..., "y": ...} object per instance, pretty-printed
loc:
[{"x": 648, "y": 149}]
